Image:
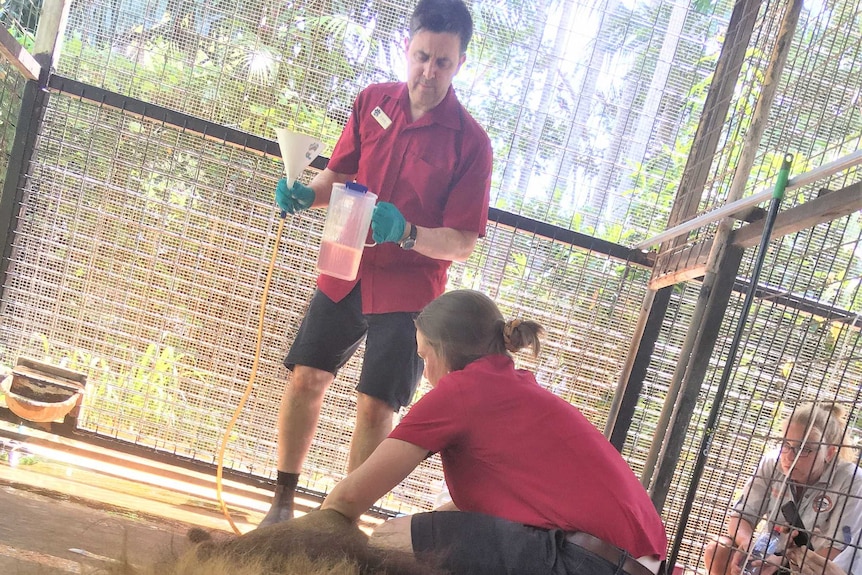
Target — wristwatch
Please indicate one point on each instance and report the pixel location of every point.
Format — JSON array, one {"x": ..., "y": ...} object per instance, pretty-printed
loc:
[{"x": 408, "y": 242}]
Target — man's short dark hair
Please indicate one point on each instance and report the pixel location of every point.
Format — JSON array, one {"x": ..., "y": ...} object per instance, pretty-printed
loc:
[{"x": 443, "y": 16}]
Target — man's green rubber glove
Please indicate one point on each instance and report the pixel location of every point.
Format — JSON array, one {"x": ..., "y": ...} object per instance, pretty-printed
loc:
[
  {"x": 387, "y": 223},
  {"x": 293, "y": 198}
]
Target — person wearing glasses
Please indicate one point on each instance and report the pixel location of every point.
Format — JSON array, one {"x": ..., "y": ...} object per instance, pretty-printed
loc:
[{"x": 812, "y": 469}]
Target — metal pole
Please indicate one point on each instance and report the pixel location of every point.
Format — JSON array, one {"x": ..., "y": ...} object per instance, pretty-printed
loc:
[
  {"x": 622, "y": 382},
  {"x": 634, "y": 373},
  {"x": 743, "y": 204},
  {"x": 706, "y": 442},
  {"x": 34, "y": 101}
]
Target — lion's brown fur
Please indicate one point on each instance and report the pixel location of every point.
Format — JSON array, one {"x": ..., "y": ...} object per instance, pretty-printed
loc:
[{"x": 320, "y": 543}]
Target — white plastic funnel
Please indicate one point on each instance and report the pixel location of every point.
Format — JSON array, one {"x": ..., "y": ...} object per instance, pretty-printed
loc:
[{"x": 297, "y": 151}]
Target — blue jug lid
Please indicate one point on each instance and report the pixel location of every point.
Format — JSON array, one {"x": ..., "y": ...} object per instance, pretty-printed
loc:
[{"x": 356, "y": 187}]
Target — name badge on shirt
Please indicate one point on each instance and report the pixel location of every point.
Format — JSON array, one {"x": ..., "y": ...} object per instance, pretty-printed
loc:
[{"x": 381, "y": 117}]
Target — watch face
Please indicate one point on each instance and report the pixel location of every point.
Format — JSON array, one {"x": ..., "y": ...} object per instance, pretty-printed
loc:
[{"x": 408, "y": 242}]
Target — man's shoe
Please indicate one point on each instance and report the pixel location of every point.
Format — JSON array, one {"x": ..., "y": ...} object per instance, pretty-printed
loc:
[{"x": 282, "y": 507}]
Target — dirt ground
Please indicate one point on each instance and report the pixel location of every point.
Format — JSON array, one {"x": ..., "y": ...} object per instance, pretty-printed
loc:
[
  {"x": 46, "y": 534},
  {"x": 67, "y": 506}
]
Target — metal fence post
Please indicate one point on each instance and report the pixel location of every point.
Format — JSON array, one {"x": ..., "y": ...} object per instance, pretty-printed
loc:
[
  {"x": 730, "y": 364},
  {"x": 34, "y": 100}
]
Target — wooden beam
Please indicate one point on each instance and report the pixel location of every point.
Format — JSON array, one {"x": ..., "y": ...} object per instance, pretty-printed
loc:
[
  {"x": 698, "y": 165},
  {"x": 18, "y": 56},
  {"x": 690, "y": 262},
  {"x": 680, "y": 265},
  {"x": 829, "y": 206}
]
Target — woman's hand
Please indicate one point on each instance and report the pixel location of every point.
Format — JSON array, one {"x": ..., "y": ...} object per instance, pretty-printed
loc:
[
  {"x": 806, "y": 562},
  {"x": 769, "y": 565}
]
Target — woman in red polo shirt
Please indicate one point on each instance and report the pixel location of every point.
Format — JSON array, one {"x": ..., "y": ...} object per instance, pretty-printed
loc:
[{"x": 535, "y": 487}]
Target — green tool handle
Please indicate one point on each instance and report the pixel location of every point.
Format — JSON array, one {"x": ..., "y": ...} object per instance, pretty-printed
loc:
[{"x": 783, "y": 176}]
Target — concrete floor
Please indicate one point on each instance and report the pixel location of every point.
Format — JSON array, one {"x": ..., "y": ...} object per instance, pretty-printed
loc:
[{"x": 68, "y": 506}]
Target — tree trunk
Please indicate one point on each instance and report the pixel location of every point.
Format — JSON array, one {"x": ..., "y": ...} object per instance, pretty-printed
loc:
[
  {"x": 549, "y": 88},
  {"x": 575, "y": 158},
  {"x": 638, "y": 144}
]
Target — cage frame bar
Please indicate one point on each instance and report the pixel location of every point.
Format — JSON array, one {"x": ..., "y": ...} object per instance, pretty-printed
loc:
[
  {"x": 20, "y": 58},
  {"x": 739, "y": 208}
]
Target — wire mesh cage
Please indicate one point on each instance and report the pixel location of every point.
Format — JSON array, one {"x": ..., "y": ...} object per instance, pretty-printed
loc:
[
  {"x": 20, "y": 18},
  {"x": 11, "y": 92},
  {"x": 139, "y": 246},
  {"x": 145, "y": 248}
]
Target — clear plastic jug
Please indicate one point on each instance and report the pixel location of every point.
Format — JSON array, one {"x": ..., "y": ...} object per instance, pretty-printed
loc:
[{"x": 347, "y": 220}]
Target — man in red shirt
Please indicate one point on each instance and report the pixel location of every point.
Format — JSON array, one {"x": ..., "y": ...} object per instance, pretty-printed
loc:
[{"x": 429, "y": 162}]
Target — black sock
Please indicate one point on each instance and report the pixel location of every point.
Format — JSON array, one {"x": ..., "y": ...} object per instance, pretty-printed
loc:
[{"x": 288, "y": 479}]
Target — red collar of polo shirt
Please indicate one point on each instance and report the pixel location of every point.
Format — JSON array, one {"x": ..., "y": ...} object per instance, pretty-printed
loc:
[{"x": 446, "y": 113}]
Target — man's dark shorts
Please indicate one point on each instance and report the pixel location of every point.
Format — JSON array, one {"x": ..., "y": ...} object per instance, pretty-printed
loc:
[
  {"x": 483, "y": 545},
  {"x": 331, "y": 333}
]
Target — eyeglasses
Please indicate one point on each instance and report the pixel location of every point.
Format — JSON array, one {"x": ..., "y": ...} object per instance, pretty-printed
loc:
[{"x": 798, "y": 450}]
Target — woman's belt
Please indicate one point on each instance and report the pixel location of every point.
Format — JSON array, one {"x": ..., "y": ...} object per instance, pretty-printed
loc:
[{"x": 608, "y": 552}]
